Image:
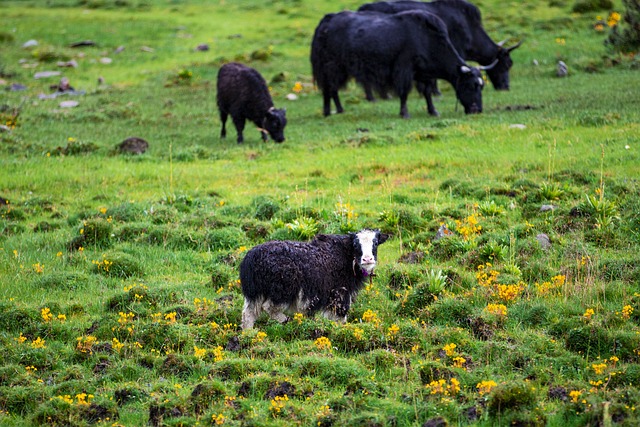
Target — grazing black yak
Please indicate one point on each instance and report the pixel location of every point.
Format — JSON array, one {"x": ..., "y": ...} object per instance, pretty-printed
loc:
[
  {"x": 243, "y": 94},
  {"x": 464, "y": 25},
  {"x": 388, "y": 52}
]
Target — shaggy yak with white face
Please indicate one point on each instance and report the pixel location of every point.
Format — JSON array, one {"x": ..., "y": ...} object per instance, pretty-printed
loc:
[{"x": 296, "y": 277}]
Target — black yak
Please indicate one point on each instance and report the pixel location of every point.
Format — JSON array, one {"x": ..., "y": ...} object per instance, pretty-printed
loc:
[
  {"x": 389, "y": 52},
  {"x": 464, "y": 25},
  {"x": 243, "y": 94},
  {"x": 322, "y": 275}
]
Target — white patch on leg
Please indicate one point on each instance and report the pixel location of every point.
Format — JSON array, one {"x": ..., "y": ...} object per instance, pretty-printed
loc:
[
  {"x": 276, "y": 311},
  {"x": 250, "y": 312}
]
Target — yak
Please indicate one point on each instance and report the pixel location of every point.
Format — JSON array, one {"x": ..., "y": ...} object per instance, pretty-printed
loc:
[
  {"x": 389, "y": 52},
  {"x": 464, "y": 26},
  {"x": 323, "y": 275}
]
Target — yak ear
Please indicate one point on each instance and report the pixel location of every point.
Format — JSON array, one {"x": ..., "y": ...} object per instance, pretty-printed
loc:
[{"x": 383, "y": 237}]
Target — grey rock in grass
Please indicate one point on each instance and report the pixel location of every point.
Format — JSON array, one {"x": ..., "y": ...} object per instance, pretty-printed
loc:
[
  {"x": 133, "y": 145},
  {"x": 544, "y": 241},
  {"x": 69, "y": 104},
  {"x": 547, "y": 208},
  {"x": 45, "y": 74},
  {"x": 30, "y": 43},
  {"x": 562, "y": 70}
]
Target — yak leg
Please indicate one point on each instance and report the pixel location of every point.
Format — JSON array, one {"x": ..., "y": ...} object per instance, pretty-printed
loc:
[
  {"x": 326, "y": 102},
  {"x": 239, "y": 124},
  {"x": 368, "y": 93},
  {"x": 404, "y": 111},
  {"x": 339, "y": 303},
  {"x": 250, "y": 313},
  {"x": 223, "y": 119},
  {"x": 336, "y": 100},
  {"x": 276, "y": 311},
  {"x": 427, "y": 89}
]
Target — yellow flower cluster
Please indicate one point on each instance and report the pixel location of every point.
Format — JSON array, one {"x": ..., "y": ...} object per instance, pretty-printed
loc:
[
  {"x": 588, "y": 314},
  {"x": 201, "y": 304},
  {"x": 323, "y": 343},
  {"x": 496, "y": 309},
  {"x": 277, "y": 404},
  {"x": 81, "y": 399},
  {"x": 358, "y": 333},
  {"x": 103, "y": 265},
  {"x": 449, "y": 349},
  {"x": 116, "y": 344},
  {"x": 260, "y": 337},
  {"x": 441, "y": 387},
  {"x": 85, "y": 344},
  {"x": 469, "y": 227},
  {"x": 627, "y": 311},
  {"x": 38, "y": 343},
  {"x": 218, "y": 419},
  {"x": 575, "y": 395},
  {"x": 486, "y": 276},
  {"x": 509, "y": 293},
  {"x": 199, "y": 352},
  {"x": 485, "y": 387},
  {"x": 613, "y": 19},
  {"x": 298, "y": 317},
  {"x": 393, "y": 330},
  {"x": 217, "y": 354},
  {"x": 38, "y": 268},
  {"x": 370, "y": 316}
]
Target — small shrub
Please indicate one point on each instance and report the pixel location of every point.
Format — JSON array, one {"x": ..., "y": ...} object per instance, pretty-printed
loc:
[
  {"x": 514, "y": 396},
  {"x": 585, "y": 6},
  {"x": 63, "y": 280},
  {"x": 118, "y": 264},
  {"x": 204, "y": 394},
  {"x": 226, "y": 238},
  {"x": 266, "y": 208}
]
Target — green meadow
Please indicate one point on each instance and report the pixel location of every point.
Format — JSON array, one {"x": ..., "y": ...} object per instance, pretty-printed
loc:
[{"x": 120, "y": 303}]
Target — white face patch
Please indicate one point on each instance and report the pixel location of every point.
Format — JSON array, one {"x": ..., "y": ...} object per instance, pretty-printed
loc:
[{"x": 368, "y": 260}]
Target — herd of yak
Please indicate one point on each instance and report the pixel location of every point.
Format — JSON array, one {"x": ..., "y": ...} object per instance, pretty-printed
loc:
[{"x": 386, "y": 47}]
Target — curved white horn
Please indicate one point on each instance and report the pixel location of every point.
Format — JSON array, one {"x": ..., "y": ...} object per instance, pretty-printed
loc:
[
  {"x": 488, "y": 67},
  {"x": 465, "y": 69}
]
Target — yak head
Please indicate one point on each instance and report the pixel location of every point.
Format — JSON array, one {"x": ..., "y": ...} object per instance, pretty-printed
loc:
[
  {"x": 499, "y": 73},
  {"x": 274, "y": 122},
  {"x": 365, "y": 249},
  {"x": 469, "y": 89}
]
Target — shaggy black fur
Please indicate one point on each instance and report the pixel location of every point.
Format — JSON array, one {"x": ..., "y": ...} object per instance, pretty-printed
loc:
[
  {"x": 243, "y": 94},
  {"x": 388, "y": 52},
  {"x": 325, "y": 270},
  {"x": 464, "y": 25}
]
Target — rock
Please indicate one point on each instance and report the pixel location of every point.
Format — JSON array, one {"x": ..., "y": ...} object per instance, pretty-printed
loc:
[
  {"x": 292, "y": 96},
  {"x": 106, "y": 60},
  {"x": 30, "y": 43},
  {"x": 45, "y": 74},
  {"x": 146, "y": 49},
  {"x": 547, "y": 208},
  {"x": 443, "y": 231},
  {"x": 133, "y": 145},
  {"x": 119, "y": 49},
  {"x": 202, "y": 47},
  {"x": 83, "y": 43},
  {"x": 561, "y": 69},
  {"x": 545, "y": 242},
  {"x": 517, "y": 126},
  {"x": 5, "y": 128},
  {"x": 69, "y": 104},
  {"x": 15, "y": 87},
  {"x": 68, "y": 64}
]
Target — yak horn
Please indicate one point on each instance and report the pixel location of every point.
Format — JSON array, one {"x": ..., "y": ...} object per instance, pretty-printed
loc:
[
  {"x": 488, "y": 67},
  {"x": 517, "y": 45}
]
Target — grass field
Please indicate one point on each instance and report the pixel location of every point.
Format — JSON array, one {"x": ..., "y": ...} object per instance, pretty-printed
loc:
[{"x": 119, "y": 298}]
